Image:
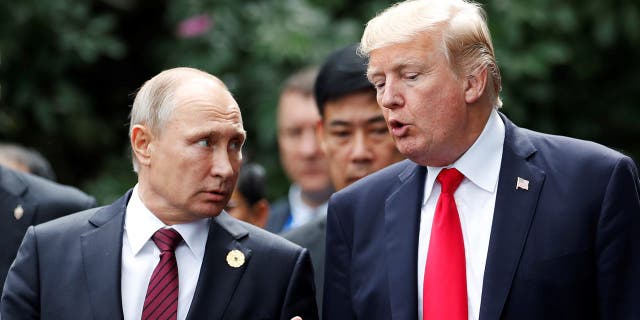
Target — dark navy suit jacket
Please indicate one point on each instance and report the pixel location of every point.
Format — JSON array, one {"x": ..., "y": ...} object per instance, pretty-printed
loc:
[
  {"x": 69, "y": 268},
  {"x": 38, "y": 200},
  {"x": 566, "y": 248}
]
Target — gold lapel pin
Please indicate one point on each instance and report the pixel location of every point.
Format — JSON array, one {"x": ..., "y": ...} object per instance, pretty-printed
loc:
[
  {"x": 18, "y": 212},
  {"x": 235, "y": 258},
  {"x": 522, "y": 184}
]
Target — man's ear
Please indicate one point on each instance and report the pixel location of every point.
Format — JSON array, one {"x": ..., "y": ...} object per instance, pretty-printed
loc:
[
  {"x": 475, "y": 85},
  {"x": 141, "y": 138},
  {"x": 320, "y": 136}
]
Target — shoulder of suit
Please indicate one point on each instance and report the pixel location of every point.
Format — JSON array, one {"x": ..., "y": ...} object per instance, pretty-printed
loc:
[
  {"x": 568, "y": 148},
  {"x": 308, "y": 232},
  {"x": 379, "y": 181},
  {"x": 68, "y": 225},
  {"x": 46, "y": 192}
]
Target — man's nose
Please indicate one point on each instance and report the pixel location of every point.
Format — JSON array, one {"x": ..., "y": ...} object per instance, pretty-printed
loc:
[
  {"x": 360, "y": 149},
  {"x": 309, "y": 143},
  {"x": 389, "y": 96},
  {"x": 222, "y": 164}
]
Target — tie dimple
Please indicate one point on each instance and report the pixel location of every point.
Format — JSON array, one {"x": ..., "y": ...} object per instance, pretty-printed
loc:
[
  {"x": 166, "y": 239},
  {"x": 449, "y": 180}
]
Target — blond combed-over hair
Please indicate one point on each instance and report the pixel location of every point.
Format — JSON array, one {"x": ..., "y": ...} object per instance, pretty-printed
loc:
[{"x": 466, "y": 41}]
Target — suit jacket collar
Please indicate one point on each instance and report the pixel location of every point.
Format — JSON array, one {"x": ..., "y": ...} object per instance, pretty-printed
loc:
[
  {"x": 402, "y": 223},
  {"x": 101, "y": 255},
  {"x": 513, "y": 214},
  {"x": 102, "y": 251}
]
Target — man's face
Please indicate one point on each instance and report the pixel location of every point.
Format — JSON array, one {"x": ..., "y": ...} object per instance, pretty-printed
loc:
[
  {"x": 301, "y": 156},
  {"x": 423, "y": 100},
  {"x": 355, "y": 138},
  {"x": 194, "y": 161}
]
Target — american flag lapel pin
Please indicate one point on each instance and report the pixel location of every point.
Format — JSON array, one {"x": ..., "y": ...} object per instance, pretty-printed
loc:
[{"x": 522, "y": 184}]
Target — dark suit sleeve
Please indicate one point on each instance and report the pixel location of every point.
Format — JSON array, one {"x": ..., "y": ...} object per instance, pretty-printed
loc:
[
  {"x": 20, "y": 296},
  {"x": 618, "y": 245},
  {"x": 337, "y": 291},
  {"x": 300, "y": 298}
]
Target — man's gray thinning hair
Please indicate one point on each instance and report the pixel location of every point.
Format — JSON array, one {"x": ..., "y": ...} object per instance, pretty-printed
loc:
[
  {"x": 301, "y": 81},
  {"x": 155, "y": 100},
  {"x": 466, "y": 41}
]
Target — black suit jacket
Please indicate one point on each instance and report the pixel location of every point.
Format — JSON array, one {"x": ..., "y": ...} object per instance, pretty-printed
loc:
[
  {"x": 566, "y": 248},
  {"x": 38, "y": 200},
  {"x": 312, "y": 236},
  {"x": 70, "y": 269}
]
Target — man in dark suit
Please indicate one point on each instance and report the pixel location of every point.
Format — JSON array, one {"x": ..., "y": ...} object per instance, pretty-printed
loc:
[
  {"x": 300, "y": 155},
  {"x": 485, "y": 220},
  {"x": 353, "y": 135},
  {"x": 27, "y": 200},
  {"x": 166, "y": 249}
]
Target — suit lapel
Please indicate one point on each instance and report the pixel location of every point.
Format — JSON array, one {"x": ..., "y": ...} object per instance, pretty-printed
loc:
[
  {"x": 101, "y": 255},
  {"x": 402, "y": 222},
  {"x": 513, "y": 215},
  {"x": 218, "y": 280}
]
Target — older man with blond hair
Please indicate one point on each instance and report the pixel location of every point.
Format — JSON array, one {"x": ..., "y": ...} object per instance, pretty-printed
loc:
[{"x": 485, "y": 220}]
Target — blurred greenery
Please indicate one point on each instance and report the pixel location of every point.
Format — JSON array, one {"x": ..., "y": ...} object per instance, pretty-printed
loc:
[{"x": 69, "y": 69}]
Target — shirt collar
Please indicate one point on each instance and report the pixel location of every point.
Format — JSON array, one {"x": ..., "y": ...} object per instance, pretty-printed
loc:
[
  {"x": 481, "y": 163},
  {"x": 140, "y": 224}
]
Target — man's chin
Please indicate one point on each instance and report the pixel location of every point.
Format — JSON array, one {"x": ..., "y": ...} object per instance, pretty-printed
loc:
[{"x": 207, "y": 211}]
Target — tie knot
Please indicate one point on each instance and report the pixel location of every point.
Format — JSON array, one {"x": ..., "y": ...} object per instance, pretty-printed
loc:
[
  {"x": 166, "y": 239},
  {"x": 450, "y": 179}
]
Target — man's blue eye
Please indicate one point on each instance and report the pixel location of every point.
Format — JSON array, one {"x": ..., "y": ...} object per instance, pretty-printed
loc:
[
  {"x": 203, "y": 142},
  {"x": 235, "y": 145}
]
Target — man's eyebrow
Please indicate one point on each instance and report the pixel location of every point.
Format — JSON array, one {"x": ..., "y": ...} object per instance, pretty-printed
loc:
[
  {"x": 401, "y": 65},
  {"x": 338, "y": 122},
  {"x": 376, "y": 119}
]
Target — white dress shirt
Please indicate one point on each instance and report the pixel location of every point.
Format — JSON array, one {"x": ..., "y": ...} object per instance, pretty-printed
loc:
[
  {"x": 475, "y": 200},
  {"x": 140, "y": 256},
  {"x": 301, "y": 212}
]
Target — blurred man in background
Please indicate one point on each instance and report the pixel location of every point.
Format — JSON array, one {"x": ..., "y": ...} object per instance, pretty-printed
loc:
[
  {"x": 25, "y": 159},
  {"x": 26, "y": 200},
  {"x": 302, "y": 159},
  {"x": 249, "y": 199},
  {"x": 353, "y": 135}
]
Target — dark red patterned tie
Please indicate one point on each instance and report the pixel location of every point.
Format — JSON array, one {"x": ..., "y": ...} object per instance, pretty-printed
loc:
[
  {"x": 445, "y": 277},
  {"x": 161, "y": 301}
]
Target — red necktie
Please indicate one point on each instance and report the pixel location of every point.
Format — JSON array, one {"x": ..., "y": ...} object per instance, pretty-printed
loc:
[
  {"x": 445, "y": 279},
  {"x": 161, "y": 301}
]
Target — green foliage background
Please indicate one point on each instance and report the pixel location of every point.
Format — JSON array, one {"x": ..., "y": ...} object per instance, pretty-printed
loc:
[{"x": 69, "y": 69}]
